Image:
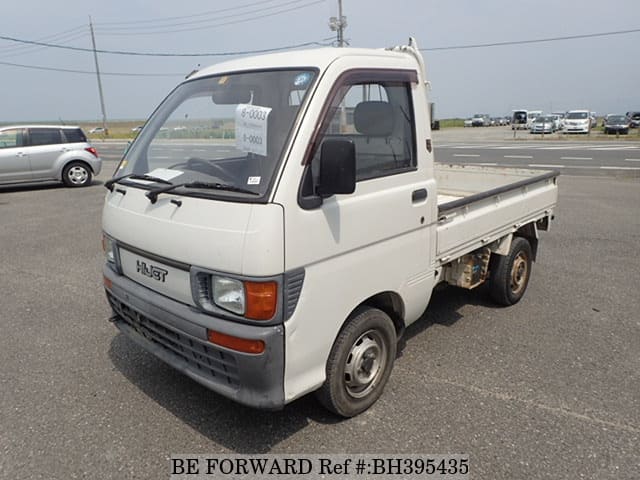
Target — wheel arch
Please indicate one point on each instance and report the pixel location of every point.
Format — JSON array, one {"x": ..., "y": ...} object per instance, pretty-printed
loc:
[
  {"x": 390, "y": 303},
  {"x": 67, "y": 161},
  {"x": 75, "y": 162},
  {"x": 530, "y": 233}
]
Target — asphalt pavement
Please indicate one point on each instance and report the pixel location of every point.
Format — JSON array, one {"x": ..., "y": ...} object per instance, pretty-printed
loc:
[{"x": 548, "y": 388}]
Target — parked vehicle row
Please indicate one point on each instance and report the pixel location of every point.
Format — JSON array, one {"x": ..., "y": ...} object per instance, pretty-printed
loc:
[
  {"x": 484, "y": 120},
  {"x": 573, "y": 121}
]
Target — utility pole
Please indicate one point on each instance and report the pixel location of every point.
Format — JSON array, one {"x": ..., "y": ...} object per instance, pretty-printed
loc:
[
  {"x": 95, "y": 57},
  {"x": 338, "y": 24}
]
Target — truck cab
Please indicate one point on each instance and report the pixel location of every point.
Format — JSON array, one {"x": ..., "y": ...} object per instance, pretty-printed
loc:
[{"x": 274, "y": 227}]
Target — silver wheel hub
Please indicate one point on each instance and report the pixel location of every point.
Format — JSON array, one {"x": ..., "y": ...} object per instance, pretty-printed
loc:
[
  {"x": 365, "y": 364},
  {"x": 77, "y": 175},
  {"x": 519, "y": 273}
]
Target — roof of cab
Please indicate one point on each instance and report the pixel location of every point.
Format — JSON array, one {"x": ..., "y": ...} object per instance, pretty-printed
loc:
[{"x": 315, "y": 58}]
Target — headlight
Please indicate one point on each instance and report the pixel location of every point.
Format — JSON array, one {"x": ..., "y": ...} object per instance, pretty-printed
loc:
[
  {"x": 228, "y": 294},
  {"x": 108, "y": 247},
  {"x": 255, "y": 300}
]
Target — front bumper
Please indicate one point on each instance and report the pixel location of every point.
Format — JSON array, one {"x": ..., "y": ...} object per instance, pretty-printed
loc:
[
  {"x": 576, "y": 129},
  {"x": 177, "y": 334}
]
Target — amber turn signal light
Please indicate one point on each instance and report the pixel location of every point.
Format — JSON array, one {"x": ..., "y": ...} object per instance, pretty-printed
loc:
[
  {"x": 261, "y": 300},
  {"x": 243, "y": 345}
]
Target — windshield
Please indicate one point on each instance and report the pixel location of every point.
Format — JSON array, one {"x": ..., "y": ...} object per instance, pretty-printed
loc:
[
  {"x": 520, "y": 117},
  {"x": 617, "y": 119},
  {"x": 226, "y": 131},
  {"x": 577, "y": 115}
]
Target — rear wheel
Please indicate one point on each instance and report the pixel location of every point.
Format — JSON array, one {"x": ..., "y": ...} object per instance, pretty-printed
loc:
[
  {"x": 510, "y": 274},
  {"x": 360, "y": 363},
  {"x": 76, "y": 174}
]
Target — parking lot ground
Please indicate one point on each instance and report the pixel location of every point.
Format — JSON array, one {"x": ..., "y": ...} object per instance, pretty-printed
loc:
[{"x": 548, "y": 388}]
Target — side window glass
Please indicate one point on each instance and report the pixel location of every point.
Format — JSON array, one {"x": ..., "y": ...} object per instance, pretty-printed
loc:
[
  {"x": 11, "y": 138},
  {"x": 296, "y": 97},
  {"x": 378, "y": 118},
  {"x": 44, "y": 136},
  {"x": 73, "y": 135}
]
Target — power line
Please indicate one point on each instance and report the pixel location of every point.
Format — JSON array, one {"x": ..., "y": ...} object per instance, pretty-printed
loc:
[
  {"x": 149, "y": 54},
  {"x": 129, "y": 74},
  {"x": 182, "y": 17},
  {"x": 91, "y": 72},
  {"x": 208, "y": 27},
  {"x": 163, "y": 26},
  {"x": 61, "y": 37},
  {"x": 540, "y": 40},
  {"x": 19, "y": 50},
  {"x": 306, "y": 44}
]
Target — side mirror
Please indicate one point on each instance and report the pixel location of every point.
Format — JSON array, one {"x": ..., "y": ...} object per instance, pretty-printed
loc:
[{"x": 337, "y": 168}]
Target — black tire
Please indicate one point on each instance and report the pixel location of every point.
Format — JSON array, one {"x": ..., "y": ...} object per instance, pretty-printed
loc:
[
  {"x": 510, "y": 274},
  {"x": 360, "y": 363},
  {"x": 76, "y": 174}
]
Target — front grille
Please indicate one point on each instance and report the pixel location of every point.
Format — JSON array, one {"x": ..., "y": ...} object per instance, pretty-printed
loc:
[{"x": 202, "y": 357}]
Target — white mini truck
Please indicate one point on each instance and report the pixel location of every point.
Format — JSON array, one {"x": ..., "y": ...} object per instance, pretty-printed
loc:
[{"x": 279, "y": 221}]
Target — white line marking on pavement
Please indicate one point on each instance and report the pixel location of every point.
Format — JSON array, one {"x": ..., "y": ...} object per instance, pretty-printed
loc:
[
  {"x": 620, "y": 168},
  {"x": 545, "y": 166},
  {"x": 518, "y": 156},
  {"x": 632, "y": 159},
  {"x": 488, "y": 164},
  {"x": 576, "y": 158}
]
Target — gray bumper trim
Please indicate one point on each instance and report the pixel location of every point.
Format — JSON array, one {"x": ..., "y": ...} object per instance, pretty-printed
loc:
[{"x": 177, "y": 334}]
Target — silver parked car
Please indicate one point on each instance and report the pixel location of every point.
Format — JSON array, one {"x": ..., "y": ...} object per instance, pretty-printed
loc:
[
  {"x": 42, "y": 153},
  {"x": 543, "y": 124}
]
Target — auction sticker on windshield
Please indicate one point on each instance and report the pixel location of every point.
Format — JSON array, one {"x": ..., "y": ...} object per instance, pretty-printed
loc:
[{"x": 251, "y": 128}]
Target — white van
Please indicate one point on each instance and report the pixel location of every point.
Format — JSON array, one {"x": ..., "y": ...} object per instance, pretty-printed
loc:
[
  {"x": 578, "y": 121},
  {"x": 519, "y": 119}
]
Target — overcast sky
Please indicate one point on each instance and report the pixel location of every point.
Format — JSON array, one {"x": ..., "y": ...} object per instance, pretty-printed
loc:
[{"x": 599, "y": 73}]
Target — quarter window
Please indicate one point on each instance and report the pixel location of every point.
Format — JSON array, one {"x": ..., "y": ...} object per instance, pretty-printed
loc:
[{"x": 74, "y": 135}]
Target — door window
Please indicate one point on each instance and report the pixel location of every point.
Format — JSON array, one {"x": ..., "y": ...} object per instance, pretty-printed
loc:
[
  {"x": 377, "y": 117},
  {"x": 11, "y": 138},
  {"x": 44, "y": 136}
]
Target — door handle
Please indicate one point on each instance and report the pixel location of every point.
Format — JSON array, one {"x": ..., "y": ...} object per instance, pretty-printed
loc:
[
  {"x": 21, "y": 154},
  {"x": 419, "y": 195}
]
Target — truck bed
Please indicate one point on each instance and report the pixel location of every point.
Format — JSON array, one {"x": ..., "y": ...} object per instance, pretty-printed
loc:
[{"x": 478, "y": 205}]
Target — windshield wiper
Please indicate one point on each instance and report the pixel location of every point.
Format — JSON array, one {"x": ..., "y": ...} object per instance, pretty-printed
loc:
[
  {"x": 152, "y": 194},
  {"x": 134, "y": 176}
]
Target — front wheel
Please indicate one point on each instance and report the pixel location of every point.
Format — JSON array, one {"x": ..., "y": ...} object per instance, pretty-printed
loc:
[
  {"x": 510, "y": 274},
  {"x": 360, "y": 363},
  {"x": 76, "y": 174}
]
